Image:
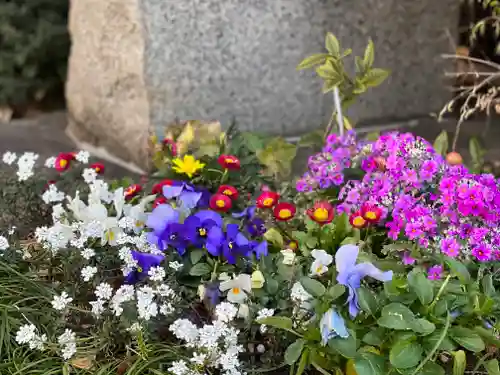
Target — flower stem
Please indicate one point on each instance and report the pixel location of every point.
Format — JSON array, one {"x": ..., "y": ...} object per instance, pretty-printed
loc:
[{"x": 441, "y": 290}]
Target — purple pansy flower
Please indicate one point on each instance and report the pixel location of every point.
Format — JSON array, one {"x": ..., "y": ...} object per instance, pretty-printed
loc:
[
  {"x": 230, "y": 245},
  {"x": 175, "y": 236},
  {"x": 248, "y": 213},
  {"x": 350, "y": 274},
  {"x": 185, "y": 193},
  {"x": 145, "y": 262},
  {"x": 259, "y": 248},
  {"x": 256, "y": 227},
  {"x": 198, "y": 225},
  {"x": 162, "y": 216}
]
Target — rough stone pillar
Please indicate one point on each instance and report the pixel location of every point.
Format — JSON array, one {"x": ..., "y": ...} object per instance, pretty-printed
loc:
[{"x": 140, "y": 64}]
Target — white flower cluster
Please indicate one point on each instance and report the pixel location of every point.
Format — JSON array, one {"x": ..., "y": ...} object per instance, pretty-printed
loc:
[
  {"x": 9, "y": 158},
  {"x": 26, "y": 163},
  {"x": 59, "y": 303},
  {"x": 215, "y": 345},
  {"x": 53, "y": 195},
  {"x": 82, "y": 157},
  {"x": 27, "y": 334},
  {"x": 264, "y": 313},
  {"x": 4, "y": 243},
  {"x": 68, "y": 344}
]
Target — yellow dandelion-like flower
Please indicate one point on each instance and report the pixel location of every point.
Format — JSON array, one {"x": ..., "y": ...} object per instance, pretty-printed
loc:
[{"x": 188, "y": 165}]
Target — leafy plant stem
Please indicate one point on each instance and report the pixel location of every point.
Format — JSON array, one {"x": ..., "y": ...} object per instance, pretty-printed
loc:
[{"x": 441, "y": 290}]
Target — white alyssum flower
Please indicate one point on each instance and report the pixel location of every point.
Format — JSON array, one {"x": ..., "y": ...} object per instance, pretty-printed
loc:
[
  {"x": 97, "y": 307},
  {"x": 243, "y": 311},
  {"x": 52, "y": 195},
  {"x": 104, "y": 291},
  {"x": 321, "y": 262},
  {"x": 167, "y": 309},
  {"x": 89, "y": 175},
  {"x": 67, "y": 341},
  {"x": 146, "y": 306},
  {"x": 82, "y": 157},
  {"x": 179, "y": 368},
  {"x": 237, "y": 288},
  {"x": 4, "y": 243},
  {"x": 59, "y": 303},
  {"x": 157, "y": 273},
  {"x": 299, "y": 294},
  {"x": 184, "y": 330},
  {"x": 87, "y": 253},
  {"x": 58, "y": 212},
  {"x": 27, "y": 334},
  {"x": 175, "y": 265},
  {"x": 88, "y": 272},
  {"x": 9, "y": 158},
  {"x": 198, "y": 359},
  {"x": 26, "y": 163},
  {"x": 165, "y": 290},
  {"x": 264, "y": 313},
  {"x": 226, "y": 312},
  {"x": 135, "y": 328},
  {"x": 50, "y": 162}
]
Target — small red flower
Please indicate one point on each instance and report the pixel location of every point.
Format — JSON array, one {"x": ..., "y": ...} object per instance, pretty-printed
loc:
[
  {"x": 229, "y": 162},
  {"x": 322, "y": 212},
  {"x": 63, "y": 161},
  {"x": 98, "y": 167},
  {"x": 267, "y": 199},
  {"x": 158, "y": 187},
  {"x": 357, "y": 220},
  {"x": 159, "y": 200},
  {"x": 132, "y": 191},
  {"x": 171, "y": 145},
  {"x": 228, "y": 190},
  {"x": 284, "y": 211},
  {"x": 220, "y": 202},
  {"x": 371, "y": 213}
]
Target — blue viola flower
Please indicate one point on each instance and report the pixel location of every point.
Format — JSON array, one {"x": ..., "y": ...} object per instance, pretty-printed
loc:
[
  {"x": 259, "y": 248},
  {"x": 174, "y": 235},
  {"x": 332, "y": 325},
  {"x": 158, "y": 220},
  {"x": 145, "y": 262},
  {"x": 197, "y": 226},
  {"x": 184, "y": 193},
  {"x": 204, "y": 201},
  {"x": 248, "y": 213},
  {"x": 256, "y": 227},
  {"x": 350, "y": 274},
  {"x": 230, "y": 245},
  {"x": 212, "y": 294}
]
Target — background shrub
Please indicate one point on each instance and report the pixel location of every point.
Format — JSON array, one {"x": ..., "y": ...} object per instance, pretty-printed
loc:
[{"x": 34, "y": 47}]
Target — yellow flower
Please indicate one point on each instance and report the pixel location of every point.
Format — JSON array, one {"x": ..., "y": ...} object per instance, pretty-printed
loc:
[
  {"x": 188, "y": 165},
  {"x": 258, "y": 280}
]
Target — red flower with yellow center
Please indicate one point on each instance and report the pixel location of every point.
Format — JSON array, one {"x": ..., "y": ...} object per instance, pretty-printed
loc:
[
  {"x": 132, "y": 191},
  {"x": 284, "y": 211},
  {"x": 228, "y": 190},
  {"x": 357, "y": 220},
  {"x": 267, "y": 199},
  {"x": 371, "y": 213},
  {"x": 220, "y": 202},
  {"x": 322, "y": 212},
  {"x": 230, "y": 162},
  {"x": 158, "y": 187},
  {"x": 63, "y": 161},
  {"x": 170, "y": 145},
  {"x": 158, "y": 201},
  {"x": 98, "y": 167}
]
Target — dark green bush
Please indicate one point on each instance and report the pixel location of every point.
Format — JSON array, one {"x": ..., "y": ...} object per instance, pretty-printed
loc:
[{"x": 34, "y": 47}]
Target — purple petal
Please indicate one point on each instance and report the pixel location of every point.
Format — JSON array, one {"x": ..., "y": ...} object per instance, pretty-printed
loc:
[
  {"x": 232, "y": 231},
  {"x": 189, "y": 199},
  {"x": 352, "y": 300},
  {"x": 172, "y": 191},
  {"x": 209, "y": 215},
  {"x": 261, "y": 249},
  {"x": 161, "y": 216},
  {"x": 215, "y": 236},
  {"x": 241, "y": 240},
  {"x": 345, "y": 260},
  {"x": 146, "y": 260},
  {"x": 368, "y": 269}
]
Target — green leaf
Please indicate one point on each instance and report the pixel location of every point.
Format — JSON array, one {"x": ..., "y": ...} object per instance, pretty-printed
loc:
[
  {"x": 488, "y": 287},
  {"x": 312, "y": 242},
  {"x": 441, "y": 143},
  {"x": 336, "y": 291},
  {"x": 431, "y": 368},
  {"x": 345, "y": 347},
  {"x": 252, "y": 141},
  {"x": 375, "y": 77},
  {"x": 369, "y": 55},
  {"x": 304, "y": 359},
  {"x": 487, "y": 335},
  {"x": 372, "y": 136},
  {"x": 196, "y": 255},
  {"x": 312, "y": 139},
  {"x": 370, "y": 364},
  {"x": 423, "y": 326},
  {"x": 281, "y": 322},
  {"x": 271, "y": 286},
  {"x": 459, "y": 269},
  {"x": 431, "y": 341},
  {"x": 375, "y": 337},
  {"x": 405, "y": 354},
  {"x": 327, "y": 71},
  {"x": 492, "y": 367},
  {"x": 313, "y": 60},
  {"x": 273, "y": 236},
  {"x": 313, "y": 287},
  {"x": 467, "y": 338},
  {"x": 367, "y": 301},
  {"x": 422, "y": 286},
  {"x": 396, "y": 316},
  {"x": 476, "y": 152},
  {"x": 200, "y": 269},
  {"x": 332, "y": 44},
  {"x": 459, "y": 362},
  {"x": 293, "y": 352}
]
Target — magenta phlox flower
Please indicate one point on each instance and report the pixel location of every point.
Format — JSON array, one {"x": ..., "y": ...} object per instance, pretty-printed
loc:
[
  {"x": 450, "y": 247},
  {"x": 435, "y": 272}
]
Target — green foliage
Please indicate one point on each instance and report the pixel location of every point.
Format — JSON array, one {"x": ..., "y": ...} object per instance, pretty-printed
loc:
[{"x": 35, "y": 47}]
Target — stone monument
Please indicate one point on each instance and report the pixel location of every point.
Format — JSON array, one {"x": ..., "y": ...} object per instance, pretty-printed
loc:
[{"x": 137, "y": 65}]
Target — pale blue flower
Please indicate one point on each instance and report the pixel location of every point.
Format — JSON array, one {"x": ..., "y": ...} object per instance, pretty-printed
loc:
[
  {"x": 350, "y": 274},
  {"x": 332, "y": 325}
]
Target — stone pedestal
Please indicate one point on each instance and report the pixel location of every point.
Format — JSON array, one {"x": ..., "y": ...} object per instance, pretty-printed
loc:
[{"x": 140, "y": 64}]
